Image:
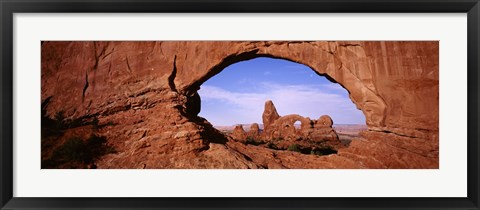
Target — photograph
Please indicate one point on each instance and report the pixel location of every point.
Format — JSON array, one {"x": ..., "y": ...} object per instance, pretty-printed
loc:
[
  {"x": 159, "y": 104},
  {"x": 293, "y": 104}
]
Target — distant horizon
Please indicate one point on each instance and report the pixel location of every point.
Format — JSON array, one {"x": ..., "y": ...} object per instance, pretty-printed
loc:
[
  {"x": 237, "y": 94},
  {"x": 261, "y": 124}
]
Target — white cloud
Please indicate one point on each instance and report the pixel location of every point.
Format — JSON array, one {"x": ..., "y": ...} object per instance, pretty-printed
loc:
[{"x": 222, "y": 107}]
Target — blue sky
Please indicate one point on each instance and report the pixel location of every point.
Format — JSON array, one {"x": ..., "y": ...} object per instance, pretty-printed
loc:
[{"x": 237, "y": 94}]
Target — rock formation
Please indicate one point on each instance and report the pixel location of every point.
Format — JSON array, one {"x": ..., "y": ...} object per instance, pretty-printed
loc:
[
  {"x": 282, "y": 132},
  {"x": 254, "y": 131},
  {"x": 270, "y": 114},
  {"x": 145, "y": 93},
  {"x": 239, "y": 133}
]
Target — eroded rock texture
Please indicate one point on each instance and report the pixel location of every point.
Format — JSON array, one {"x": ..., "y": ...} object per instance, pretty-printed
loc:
[
  {"x": 239, "y": 133},
  {"x": 254, "y": 131},
  {"x": 282, "y": 131},
  {"x": 144, "y": 96}
]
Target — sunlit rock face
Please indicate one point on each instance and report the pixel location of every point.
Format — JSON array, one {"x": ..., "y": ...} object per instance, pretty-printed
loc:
[
  {"x": 282, "y": 132},
  {"x": 269, "y": 115},
  {"x": 239, "y": 133},
  {"x": 146, "y": 92},
  {"x": 254, "y": 131}
]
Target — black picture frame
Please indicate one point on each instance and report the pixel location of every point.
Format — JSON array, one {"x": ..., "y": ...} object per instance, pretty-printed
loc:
[{"x": 9, "y": 7}]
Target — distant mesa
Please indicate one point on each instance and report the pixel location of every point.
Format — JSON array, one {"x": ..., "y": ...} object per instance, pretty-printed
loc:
[{"x": 280, "y": 132}]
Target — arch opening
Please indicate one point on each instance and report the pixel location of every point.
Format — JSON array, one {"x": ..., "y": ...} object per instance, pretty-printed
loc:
[
  {"x": 235, "y": 96},
  {"x": 250, "y": 80}
]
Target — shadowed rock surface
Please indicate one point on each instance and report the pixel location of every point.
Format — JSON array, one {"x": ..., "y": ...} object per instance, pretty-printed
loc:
[{"x": 147, "y": 93}]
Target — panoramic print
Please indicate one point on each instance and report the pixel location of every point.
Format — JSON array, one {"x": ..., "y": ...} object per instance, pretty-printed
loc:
[{"x": 239, "y": 104}]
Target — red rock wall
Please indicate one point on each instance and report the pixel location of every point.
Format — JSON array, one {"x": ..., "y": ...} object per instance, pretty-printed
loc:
[{"x": 395, "y": 84}]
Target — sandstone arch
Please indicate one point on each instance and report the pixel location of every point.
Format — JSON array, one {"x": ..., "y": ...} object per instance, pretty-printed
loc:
[
  {"x": 149, "y": 90},
  {"x": 286, "y": 124},
  {"x": 371, "y": 104},
  {"x": 312, "y": 133}
]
